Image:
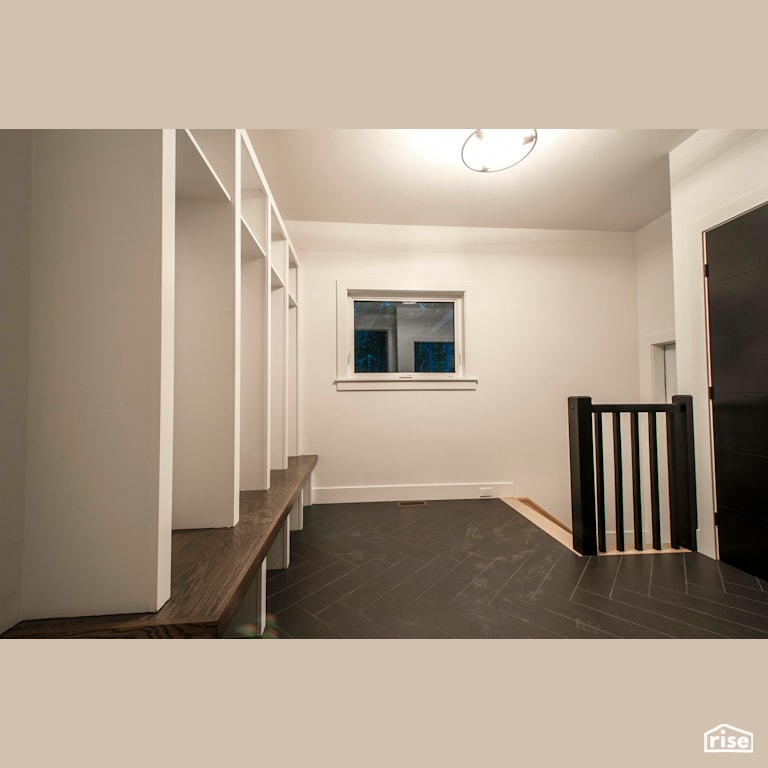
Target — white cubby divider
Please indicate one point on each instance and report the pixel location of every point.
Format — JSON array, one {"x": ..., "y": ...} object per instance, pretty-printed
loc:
[
  {"x": 293, "y": 278},
  {"x": 205, "y": 486},
  {"x": 278, "y": 375},
  {"x": 292, "y": 388},
  {"x": 278, "y": 247},
  {"x": 254, "y": 365},
  {"x": 163, "y": 377},
  {"x": 99, "y": 458}
]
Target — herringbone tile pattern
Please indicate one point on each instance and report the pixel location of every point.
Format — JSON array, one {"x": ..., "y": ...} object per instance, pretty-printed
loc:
[{"x": 479, "y": 569}]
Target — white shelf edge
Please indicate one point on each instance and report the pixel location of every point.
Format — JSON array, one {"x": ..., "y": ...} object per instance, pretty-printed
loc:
[
  {"x": 251, "y": 236},
  {"x": 276, "y": 280},
  {"x": 207, "y": 185},
  {"x": 251, "y": 155},
  {"x": 278, "y": 227},
  {"x": 251, "y": 152},
  {"x": 291, "y": 301}
]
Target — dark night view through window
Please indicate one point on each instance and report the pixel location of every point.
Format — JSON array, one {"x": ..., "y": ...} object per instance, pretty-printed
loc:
[{"x": 404, "y": 337}]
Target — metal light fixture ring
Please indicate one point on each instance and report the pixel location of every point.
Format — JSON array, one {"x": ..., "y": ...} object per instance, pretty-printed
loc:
[{"x": 512, "y": 154}]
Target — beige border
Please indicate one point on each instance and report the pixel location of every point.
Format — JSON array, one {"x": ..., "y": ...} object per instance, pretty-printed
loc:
[{"x": 416, "y": 64}]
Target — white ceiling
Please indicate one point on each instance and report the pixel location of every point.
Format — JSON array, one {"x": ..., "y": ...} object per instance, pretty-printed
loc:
[{"x": 590, "y": 179}]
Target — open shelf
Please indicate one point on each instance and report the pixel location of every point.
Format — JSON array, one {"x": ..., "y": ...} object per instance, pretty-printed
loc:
[
  {"x": 196, "y": 179},
  {"x": 254, "y": 198},
  {"x": 293, "y": 278},
  {"x": 205, "y": 485},
  {"x": 218, "y": 147},
  {"x": 292, "y": 388},
  {"x": 276, "y": 280},
  {"x": 254, "y": 367},
  {"x": 251, "y": 248},
  {"x": 278, "y": 370},
  {"x": 278, "y": 247}
]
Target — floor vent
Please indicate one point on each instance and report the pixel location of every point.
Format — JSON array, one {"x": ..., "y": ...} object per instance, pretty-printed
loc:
[{"x": 411, "y": 503}]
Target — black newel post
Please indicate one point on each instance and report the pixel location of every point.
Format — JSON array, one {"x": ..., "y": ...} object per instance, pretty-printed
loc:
[
  {"x": 582, "y": 475},
  {"x": 685, "y": 519}
]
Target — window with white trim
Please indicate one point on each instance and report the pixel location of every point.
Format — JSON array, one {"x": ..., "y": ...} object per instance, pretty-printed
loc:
[{"x": 400, "y": 338}]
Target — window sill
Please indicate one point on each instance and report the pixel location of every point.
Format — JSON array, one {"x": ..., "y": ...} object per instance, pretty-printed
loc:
[{"x": 348, "y": 385}]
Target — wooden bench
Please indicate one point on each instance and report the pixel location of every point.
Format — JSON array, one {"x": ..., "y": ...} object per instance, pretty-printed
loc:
[{"x": 218, "y": 575}]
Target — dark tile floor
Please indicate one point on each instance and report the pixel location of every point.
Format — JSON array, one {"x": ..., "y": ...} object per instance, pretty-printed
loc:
[{"x": 479, "y": 569}]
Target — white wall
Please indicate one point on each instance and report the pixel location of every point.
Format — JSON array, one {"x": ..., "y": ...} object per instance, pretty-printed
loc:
[
  {"x": 655, "y": 327},
  {"x": 15, "y": 159},
  {"x": 715, "y": 175},
  {"x": 548, "y": 314},
  {"x": 655, "y": 296}
]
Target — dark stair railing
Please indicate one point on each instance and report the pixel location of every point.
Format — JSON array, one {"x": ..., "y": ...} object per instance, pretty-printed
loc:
[{"x": 588, "y": 502}]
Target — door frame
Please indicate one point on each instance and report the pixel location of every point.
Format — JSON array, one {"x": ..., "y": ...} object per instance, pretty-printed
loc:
[
  {"x": 708, "y": 354},
  {"x": 657, "y": 344}
]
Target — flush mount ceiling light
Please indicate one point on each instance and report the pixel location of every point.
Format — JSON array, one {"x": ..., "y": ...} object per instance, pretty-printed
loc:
[{"x": 495, "y": 149}]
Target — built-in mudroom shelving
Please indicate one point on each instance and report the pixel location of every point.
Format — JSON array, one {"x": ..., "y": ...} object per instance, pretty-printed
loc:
[
  {"x": 278, "y": 336},
  {"x": 292, "y": 388},
  {"x": 164, "y": 356},
  {"x": 253, "y": 213},
  {"x": 234, "y": 383},
  {"x": 205, "y": 486}
]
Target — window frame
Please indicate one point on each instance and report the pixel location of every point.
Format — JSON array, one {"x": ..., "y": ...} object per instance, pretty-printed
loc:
[{"x": 347, "y": 292}]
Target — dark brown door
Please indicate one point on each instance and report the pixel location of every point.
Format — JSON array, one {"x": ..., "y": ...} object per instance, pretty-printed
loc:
[{"x": 737, "y": 286}]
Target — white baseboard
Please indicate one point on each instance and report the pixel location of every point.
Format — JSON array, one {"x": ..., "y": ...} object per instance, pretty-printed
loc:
[{"x": 366, "y": 493}]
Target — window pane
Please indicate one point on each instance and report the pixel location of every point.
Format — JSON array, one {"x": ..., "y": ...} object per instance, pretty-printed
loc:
[
  {"x": 371, "y": 352},
  {"x": 434, "y": 356},
  {"x": 404, "y": 336}
]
